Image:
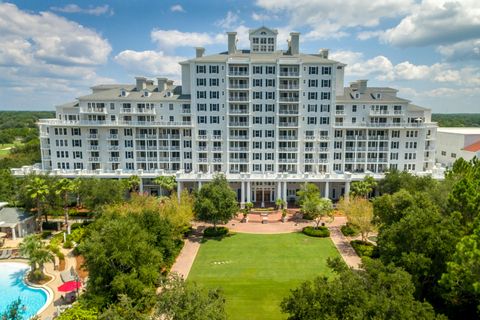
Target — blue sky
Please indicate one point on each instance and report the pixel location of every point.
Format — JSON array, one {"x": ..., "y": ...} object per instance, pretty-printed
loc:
[{"x": 52, "y": 51}]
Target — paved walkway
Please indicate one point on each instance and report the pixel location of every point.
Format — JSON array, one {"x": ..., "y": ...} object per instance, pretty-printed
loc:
[
  {"x": 185, "y": 259},
  {"x": 343, "y": 243}
]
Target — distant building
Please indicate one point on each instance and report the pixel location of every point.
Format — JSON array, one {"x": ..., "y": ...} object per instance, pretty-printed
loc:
[
  {"x": 455, "y": 143},
  {"x": 268, "y": 119}
]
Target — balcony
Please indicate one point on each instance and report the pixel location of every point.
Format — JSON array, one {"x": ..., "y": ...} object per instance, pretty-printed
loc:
[
  {"x": 322, "y": 149},
  {"x": 288, "y": 138},
  {"x": 239, "y": 111},
  {"x": 93, "y": 147},
  {"x": 169, "y": 136},
  {"x": 94, "y": 110},
  {"x": 238, "y": 149},
  {"x": 242, "y": 160},
  {"x": 308, "y": 149},
  {"x": 238, "y": 73},
  {"x": 113, "y": 159},
  {"x": 202, "y": 149},
  {"x": 237, "y": 98},
  {"x": 238, "y": 86},
  {"x": 112, "y": 136},
  {"x": 288, "y": 99},
  {"x": 309, "y": 160},
  {"x": 289, "y": 87},
  {"x": 217, "y": 160},
  {"x": 238, "y": 124},
  {"x": 239, "y": 137},
  {"x": 288, "y": 112},
  {"x": 289, "y": 74},
  {"x": 340, "y": 112},
  {"x": 94, "y": 159},
  {"x": 186, "y": 110},
  {"x": 201, "y": 137},
  {"x": 113, "y": 148},
  {"x": 216, "y": 137},
  {"x": 288, "y": 149},
  {"x": 287, "y": 160},
  {"x": 386, "y": 113},
  {"x": 309, "y": 138},
  {"x": 288, "y": 124},
  {"x": 92, "y": 136}
]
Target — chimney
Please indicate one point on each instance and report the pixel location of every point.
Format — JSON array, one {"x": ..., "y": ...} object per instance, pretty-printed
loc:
[
  {"x": 169, "y": 84},
  {"x": 294, "y": 42},
  {"x": 232, "y": 42},
  {"x": 162, "y": 84},
  {"x": 324, "y": 53},
  {"x": 141, "y": 83},
  {"x": 362, "y": 86},
  {"x": 199, "y": 51}
]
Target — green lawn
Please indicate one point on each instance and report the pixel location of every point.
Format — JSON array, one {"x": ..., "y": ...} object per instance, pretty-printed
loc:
[{"x": 257, "y": 271}]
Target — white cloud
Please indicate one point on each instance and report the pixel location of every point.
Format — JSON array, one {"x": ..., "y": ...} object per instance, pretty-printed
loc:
[
  {"x": 177, "y": 8},
  {"x": 464, "y": 50},
  {"x": 170, "y": 39},
  {"x": 230, "y": 21},
  {"x": 150, "y": 63},
  {"x": 381, "y": 68},
  {"x": 263, "y": 16},
  {"x": 73, "y": 8},
  {"x": 435, "y": 22},
  {"x": 328, "y": 19}
]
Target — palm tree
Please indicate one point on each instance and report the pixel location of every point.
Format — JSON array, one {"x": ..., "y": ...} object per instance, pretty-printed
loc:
[
  {"x": 63, "y": 188},
  {"x": 168, "y": 183},
  {"x": 38, "y": 190},
  {"x": 133, "y": 183},
  {"x": 33, "y": 248}
]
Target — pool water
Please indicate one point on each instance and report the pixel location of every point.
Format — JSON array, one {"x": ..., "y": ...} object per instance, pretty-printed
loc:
[{"x": 12, "y": 287}]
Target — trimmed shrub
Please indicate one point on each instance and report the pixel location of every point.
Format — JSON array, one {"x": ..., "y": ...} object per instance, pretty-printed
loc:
[
  {"x": 364, "y": 249},
  {"x": 46, "y": 234},
  {"x": 321, "y": 232},
  {"x": 211, "y": 232},
  {"x": 350, "y": 230},
  {"x": 68, "y": 244}
]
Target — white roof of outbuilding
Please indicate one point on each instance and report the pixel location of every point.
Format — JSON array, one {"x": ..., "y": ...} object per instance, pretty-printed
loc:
[{"x": 460, "y": 130}]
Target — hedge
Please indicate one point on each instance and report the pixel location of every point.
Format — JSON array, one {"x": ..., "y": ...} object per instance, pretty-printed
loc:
[
  {"x": 350, "y": 230},
  {"x": 211, "y": 232},
  {"x": 321, "y": 232},
  {"x": 364, "y": 249}
]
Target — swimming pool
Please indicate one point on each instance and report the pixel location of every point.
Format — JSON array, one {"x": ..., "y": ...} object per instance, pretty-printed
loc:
[{"x": 12, "y": 287}]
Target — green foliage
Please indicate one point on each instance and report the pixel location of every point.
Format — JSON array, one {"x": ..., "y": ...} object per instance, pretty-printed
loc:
[
  {"x": 349, "y": 230},
  {"x": 364, "y": 249},
  {"x": 462, "y": 278},
  {"x": 320, "y": 232},
  {"x": 307, "y": 191},
  {"x": 78, "y": 312},
  {"x": 129, "y": 245},
  {"x": 216, "y": 202},
  {"x": 186, "y": 301},
  {"x": 211, "y": 232},
  {"x": 396, "y": 180},
  {"x": 363, "y": 188},
  {"x": 457, "y": 119},
  {"x": 124, "y": 309},
  {"x": 316, "y": 208},
  {"x": 95, "y": 193},
  {"x": 168, "y": 183},
  {"x": 22, "y": 155},
  {"x": 36, "y": 252},
  {"x": 14, "y": 311},
  {"x": 377, "y": 292},
  {"x": 280, "y": 203},
  {"x": 8, "y": 186}
]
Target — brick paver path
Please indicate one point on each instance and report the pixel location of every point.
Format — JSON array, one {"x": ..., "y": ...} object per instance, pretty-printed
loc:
[{"x": 185, "y": 259}]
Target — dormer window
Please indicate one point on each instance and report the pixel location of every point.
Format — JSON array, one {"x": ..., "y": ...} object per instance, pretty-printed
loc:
[
  {"x": 378, "y": 95},
  {"x": 146, "y": 93},
  {"x": 123, "y": 92},
  {"x": 263, "y": 40},
  {"x": 357, "y": 95}
]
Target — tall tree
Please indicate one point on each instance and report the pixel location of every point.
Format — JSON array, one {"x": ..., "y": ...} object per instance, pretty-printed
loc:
[
  {"x": 64, "y": 188},
  {"x": 132, "y": 183},
  {"x": 179, "y": 300},
  {"x": 317, "y": 208},
  {"x": 36, "y": 252},
  {"x": 38, "y": 190},
  {"x": 168, "y": 183},
  {"x": 363, "y": 188},
  {"x": 216, "y": 202},
  {"x": 359, "y": 211},
  {"x": 307, "y": 190},
  {"x": 376, "y": 292}
]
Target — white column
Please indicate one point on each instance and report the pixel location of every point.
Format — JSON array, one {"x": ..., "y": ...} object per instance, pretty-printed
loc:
[
  {"x": 242, "y": 195},
  {"x": 263, "y": 196},
  {"x": 347, "y": 190},
  {"x": 285, "y": 197},
  {"x": 14, "y": 233},
  {"x": 199, "y": 184},
  {"x": 327, "y": 191},
  {"x": 140, "y": 186},
  {"x": 249, "y": 192},
  {"x": 279, "y": 190},
  {"x": 179, "y": 190}
]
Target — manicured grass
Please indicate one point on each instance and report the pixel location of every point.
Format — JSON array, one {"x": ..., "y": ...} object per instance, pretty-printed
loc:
[{"x": 257, "y": 271}]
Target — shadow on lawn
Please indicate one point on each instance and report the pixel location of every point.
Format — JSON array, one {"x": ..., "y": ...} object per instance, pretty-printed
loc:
[{"x": 204, "y": 239}]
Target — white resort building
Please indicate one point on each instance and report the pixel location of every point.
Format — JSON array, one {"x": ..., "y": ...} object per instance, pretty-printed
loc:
[{"x": 267, "y": 119}]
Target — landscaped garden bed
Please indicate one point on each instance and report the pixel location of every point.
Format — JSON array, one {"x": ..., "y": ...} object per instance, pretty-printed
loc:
[
  {"x": 320, "y": 232},
  {"x": 364, "y": 249}
]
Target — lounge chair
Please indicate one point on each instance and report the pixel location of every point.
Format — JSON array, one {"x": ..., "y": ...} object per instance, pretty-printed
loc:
[
  {"x": 8, "y": 254},
  {"x": 67, "y": 276},
  {"x": 3, "y": 254}
]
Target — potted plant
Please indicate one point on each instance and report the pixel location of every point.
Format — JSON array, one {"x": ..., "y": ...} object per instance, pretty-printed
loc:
[
  {"x": 279, "y": 203},
  {"x": 246, "y": 211},
  {"x": 284, "y": 215}
]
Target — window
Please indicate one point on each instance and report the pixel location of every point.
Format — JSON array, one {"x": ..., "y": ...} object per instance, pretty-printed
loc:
[
  {"x": 270, "y": 108},
  {"x": 257, "y": 120},
  {"x": 269, "y": 145},
  {"x": 444, "y": 153},
  {"x": 311, "y": 120},
  {"x": 257, "y": 95},
  {"x": 213, "y": 69},
  {"x": 201, "y": 69},
  {"x": 257, "y": 145},
  {"x": 257, "y": 156},
  {"x": 312, "y": 83},
  {"x": 270, "y": 70},
  {"x": 354, "y": 108},
  {"x": 76, "y": 132},
  {"x": 270, "y": 95},
  {"x": 395, "y": 144},
  {"x": 214, "y": 94},
  {"x": 257, "y": 133},
  {"x": 214, "y": 107},
  {"x": 214, "y": 82},
  {"x": 270, "y": 82},
  {"x": 201, "y": 107},
  {"x": 201, "y": 94},
  {"x": 324, "y": 120},
  {"x": 257, "y": 82},
  {"x": 453, "y": 155},
  {"x": 257, "y": 107},
  {"x": 326, "y": 83},
  {"x": 325, "y": 95},
  {"x": 325, "y": 108},
  {"x": 312, "y": 70},
  {"x": 201, "y": 82},
  {"x": 202, "y": 119},
  {"x": 214, "y": 119},
  {"x": 257, "y": 69},
  {"x": 269, "y": 120},
  {"x": 395, "y": 134},
  {"x": 313, "y": 95},
  {"x": 326, "y": 70},
  {"x": 269, "y": 133}
]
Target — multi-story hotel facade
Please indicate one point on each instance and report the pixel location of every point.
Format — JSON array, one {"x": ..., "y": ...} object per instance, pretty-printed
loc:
[{"x": 267, "y": 119}]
